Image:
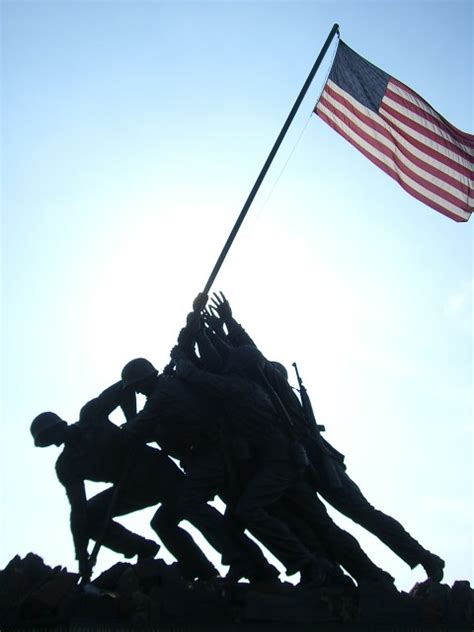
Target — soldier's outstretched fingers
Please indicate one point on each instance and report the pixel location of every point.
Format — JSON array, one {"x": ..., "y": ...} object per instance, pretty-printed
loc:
[
  {"x": 216, "y": 299},
  {"x": 222, "y": 306}
]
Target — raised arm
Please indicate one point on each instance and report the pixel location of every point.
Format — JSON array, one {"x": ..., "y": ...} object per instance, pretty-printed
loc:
[{"x": 236, "y": 333}]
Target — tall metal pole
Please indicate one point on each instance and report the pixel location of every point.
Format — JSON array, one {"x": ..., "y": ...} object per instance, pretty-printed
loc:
[{"x": 266, "y": 166}]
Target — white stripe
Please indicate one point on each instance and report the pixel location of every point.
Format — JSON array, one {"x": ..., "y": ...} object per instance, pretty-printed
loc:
[
  {"x": 429, "y": 125},
  {"x": 358, "y": 141},
  {"x": 424, "y": 105},
  {"x": 401, "y": 140},
  {"x": 428, "y": 142},
  {"x": 406, "y": 143},
  {"x": 392, "y": 147}
]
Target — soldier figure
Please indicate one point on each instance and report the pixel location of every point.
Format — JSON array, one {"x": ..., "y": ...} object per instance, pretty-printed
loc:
[
  {"x": 96, "y": 449},
  {"x": 333, "y": 483},
  {"x": 273, "y": 476},
  {"x": 183, "y": 426}
]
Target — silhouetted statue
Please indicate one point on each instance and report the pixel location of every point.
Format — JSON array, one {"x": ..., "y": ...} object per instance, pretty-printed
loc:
[
  {"x": 332, "y": 483},
  {"x": 273, "y": 476},
  {"x": 96, "y": 449},
  {"x": 178, "y": 419}
]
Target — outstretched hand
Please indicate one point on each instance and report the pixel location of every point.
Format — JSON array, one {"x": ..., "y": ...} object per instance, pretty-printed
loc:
[
  {"x": 222, "y": 306},
  {"x": 212, "y": 320}
]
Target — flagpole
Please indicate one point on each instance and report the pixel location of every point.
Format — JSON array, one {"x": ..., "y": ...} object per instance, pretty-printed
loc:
[{"x": 266, "y": 166}]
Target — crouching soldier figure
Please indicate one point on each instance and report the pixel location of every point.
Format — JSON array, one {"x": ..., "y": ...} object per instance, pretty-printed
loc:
[{"x": 95, "y": 449}]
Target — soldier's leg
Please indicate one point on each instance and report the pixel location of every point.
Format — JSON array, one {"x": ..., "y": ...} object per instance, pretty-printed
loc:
[
  {"x": 192, "y": 561},
  {"x": 340, "y": 544},
  {"x": 349, "y": 500},
  {"x": 206, "y": 477},
  {"x": 114, "y": 535},
  {"x": 165, "y": 484},
  {"x": 299, "y": 526},
  {"x": 326, "y": 565},
  {"x": 265, "y": 488}
]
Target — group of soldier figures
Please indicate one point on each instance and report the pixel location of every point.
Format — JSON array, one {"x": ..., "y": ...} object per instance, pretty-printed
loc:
[{"x": 240, "y": 432}]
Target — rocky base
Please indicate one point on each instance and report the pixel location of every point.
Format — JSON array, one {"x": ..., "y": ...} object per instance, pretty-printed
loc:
[{"x": 153, "y": 596}]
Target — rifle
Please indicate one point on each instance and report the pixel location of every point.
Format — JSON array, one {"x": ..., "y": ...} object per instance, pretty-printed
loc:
[{"x": 327, "y": 459}]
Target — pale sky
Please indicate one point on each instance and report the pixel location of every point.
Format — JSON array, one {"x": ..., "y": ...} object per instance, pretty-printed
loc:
[{"x": 132, "y": 135}]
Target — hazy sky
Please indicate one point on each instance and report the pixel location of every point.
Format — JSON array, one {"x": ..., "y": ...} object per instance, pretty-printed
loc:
[{"x": 132, "y": 135}]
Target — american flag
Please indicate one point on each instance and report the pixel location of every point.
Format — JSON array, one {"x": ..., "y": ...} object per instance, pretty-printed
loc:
[{"x": 401, "y": 133}]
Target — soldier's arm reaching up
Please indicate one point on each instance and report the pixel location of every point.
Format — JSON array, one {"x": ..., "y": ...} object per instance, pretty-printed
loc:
[{"x": 237, "y": 335}]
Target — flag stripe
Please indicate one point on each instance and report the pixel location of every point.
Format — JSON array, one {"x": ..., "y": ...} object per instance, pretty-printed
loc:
[
  {"x": 427, "y": 150},
  {"x": 429, "y": 131},
  {"x": 451, "y": 176},
  {"x": 393, "y": 97},
  {"x": 424, "y": 142},
  {"x": 410, "y": 94},
  {"x": 441, "y": 206},
  {"x": 384, "y": 144},
  {"x": 376, "y": 144}
]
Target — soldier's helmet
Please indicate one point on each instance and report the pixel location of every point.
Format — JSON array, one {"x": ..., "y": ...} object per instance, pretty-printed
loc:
[
  {"x": 280, "y": 368},
  {"x": 137, "y": 370},
  {"x": 41, "y": 424},
  {"x": 245, "y": 359}
]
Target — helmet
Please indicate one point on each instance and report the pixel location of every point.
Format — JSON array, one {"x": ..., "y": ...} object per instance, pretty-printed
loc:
[
  {"x": 137, "y": 370},
  {"x": 280, "y": 368},
  {"x": 244, "y": 359},
  {"x": 43, "y": 422}
]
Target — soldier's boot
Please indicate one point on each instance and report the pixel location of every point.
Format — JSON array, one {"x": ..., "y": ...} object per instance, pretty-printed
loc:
[
  {"x": 380, "y": 580},
  {"x": 206, "y": 573},
  {"x": 321, "y": 572},
  {"x": 242, "y": 567},
  {"x": 433, "y": 565},
  {"x": 147, "y": 549}
]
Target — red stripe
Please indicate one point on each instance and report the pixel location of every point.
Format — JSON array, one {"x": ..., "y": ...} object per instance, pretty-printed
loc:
[
  {"x": 425, "y": 131},
  {"x": 429, "y": 150},
  {"x": 401, "y": 166},
  {"x": 468, "y": 139},
  {"x": 381, "y": 129},
  {"x": 426, "y": 166},
  {"x": 392, "y": 173},
  {"x": 435, "y": 118}
]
